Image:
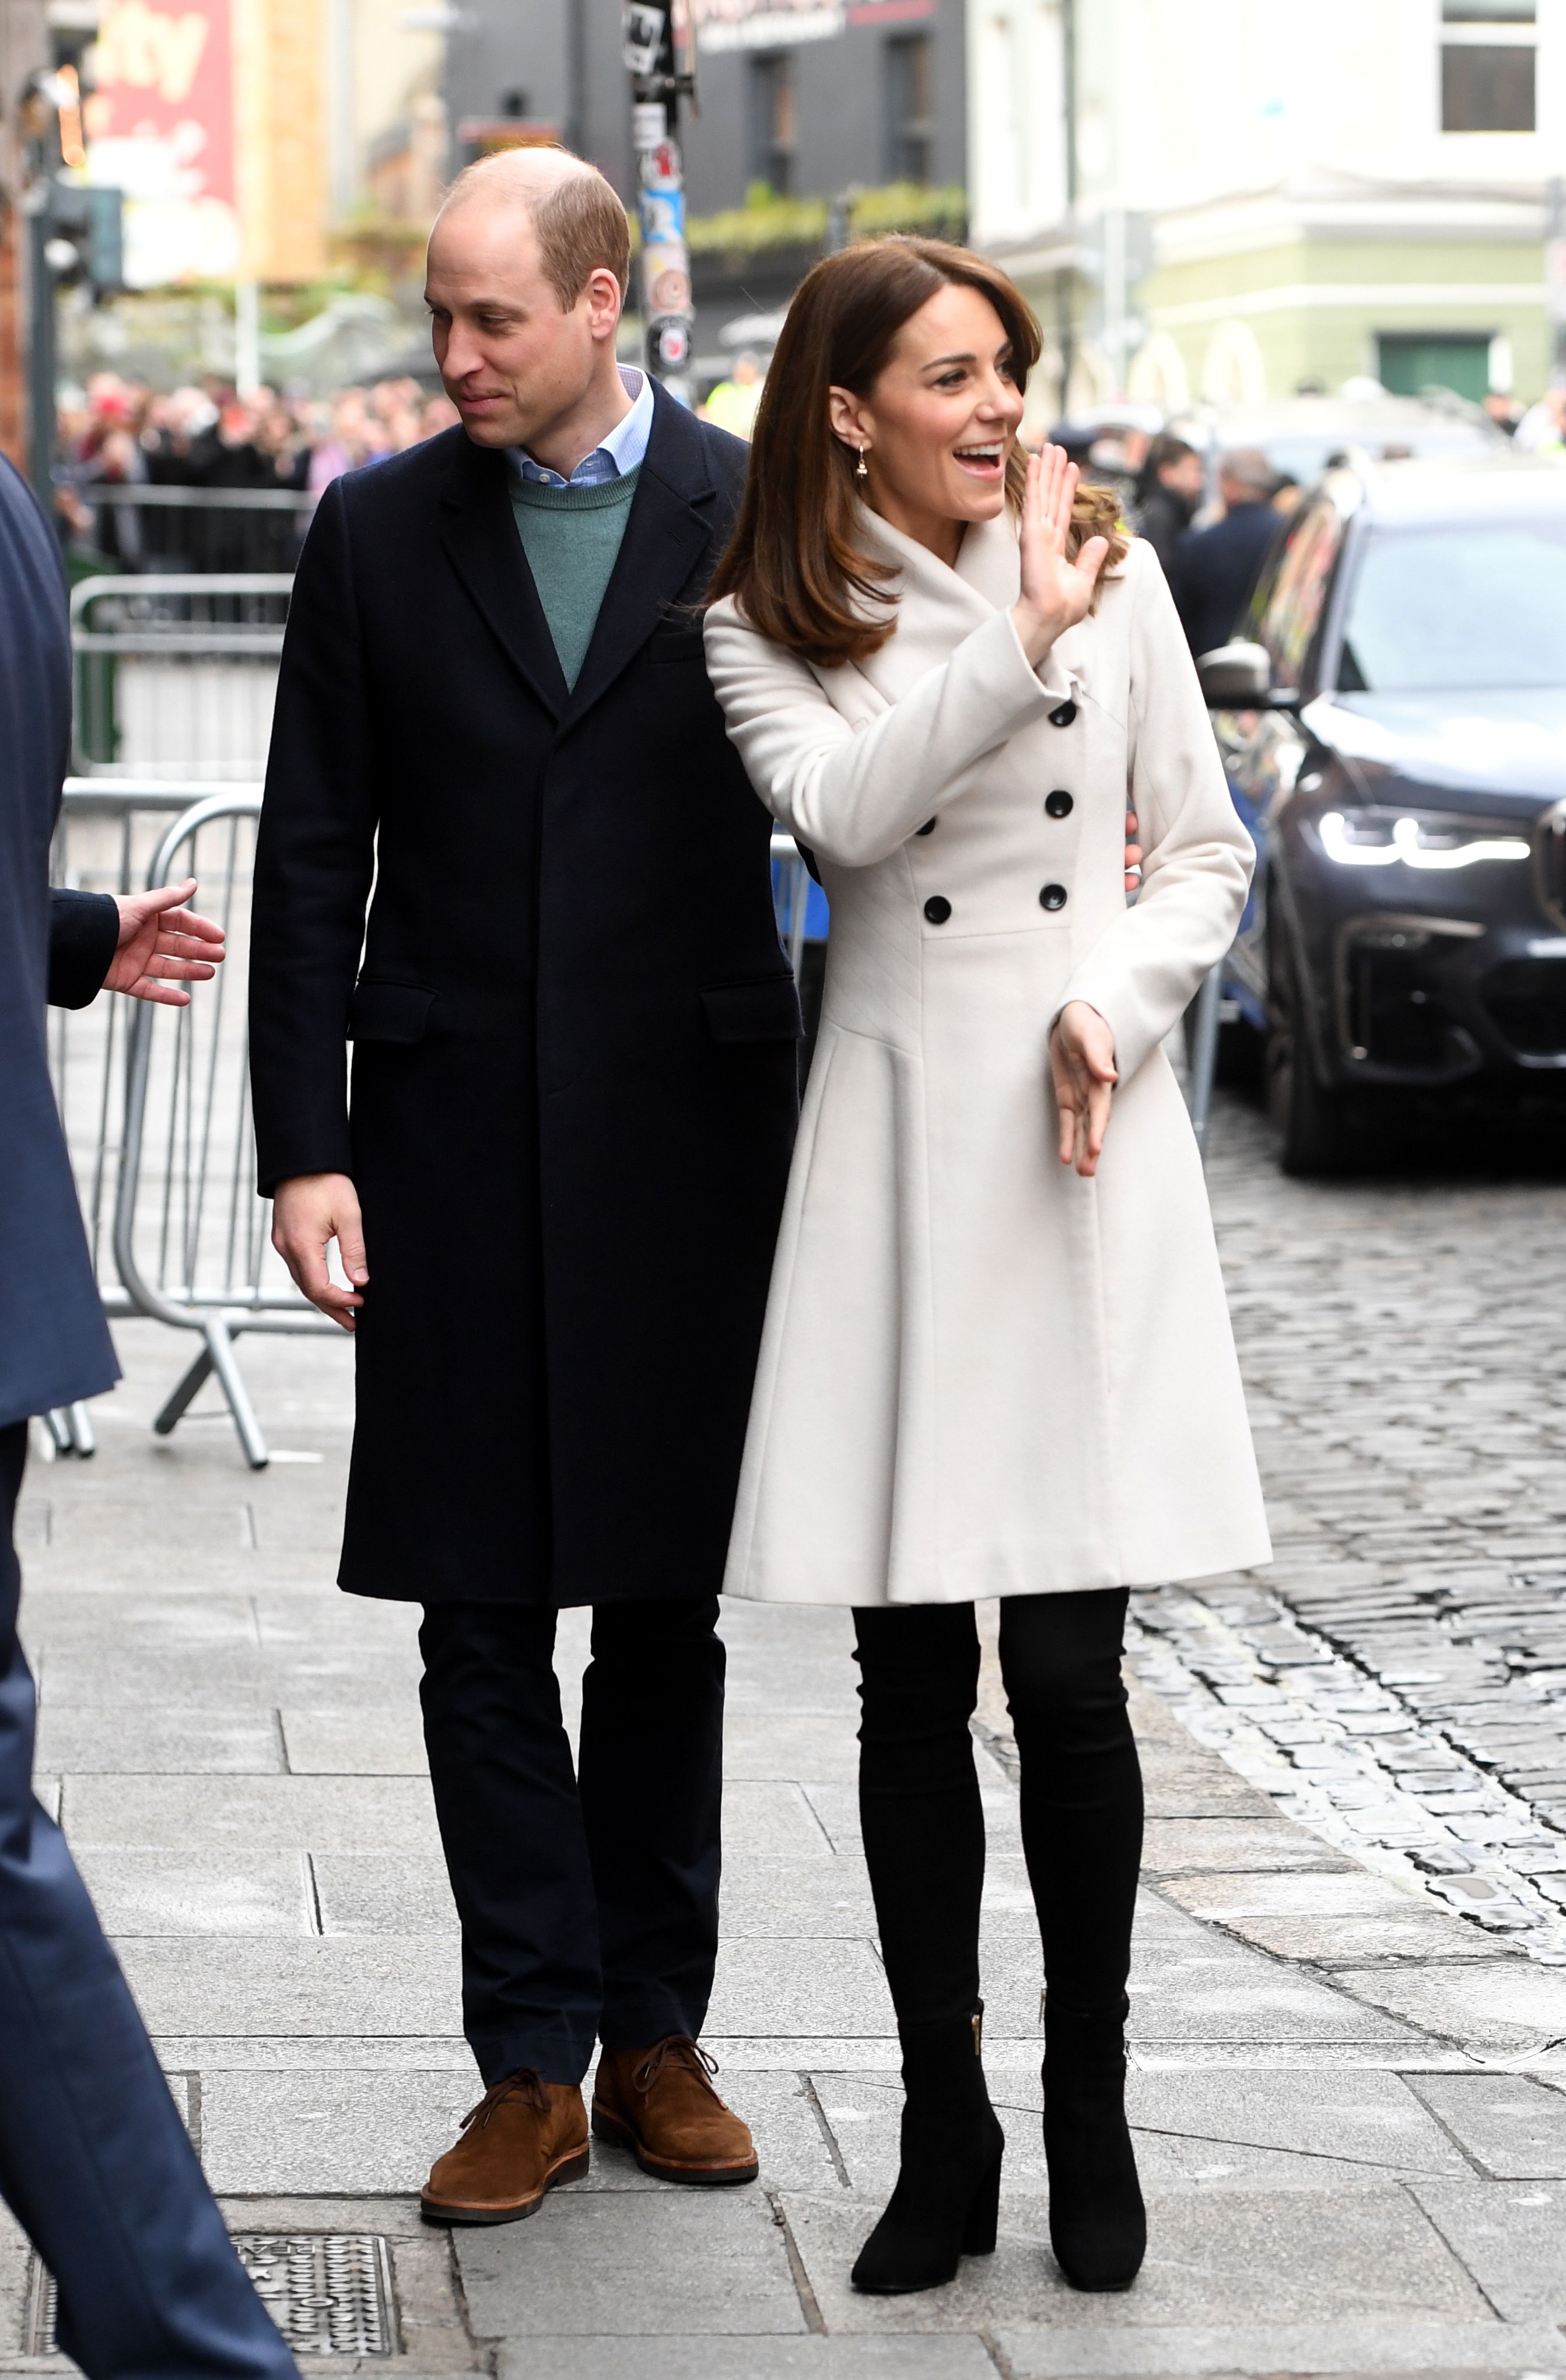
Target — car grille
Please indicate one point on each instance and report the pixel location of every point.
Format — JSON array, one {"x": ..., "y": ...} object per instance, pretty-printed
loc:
[
  {"x": 1525, "y": 1000},
  {"x": 1395, "y": 1018}
]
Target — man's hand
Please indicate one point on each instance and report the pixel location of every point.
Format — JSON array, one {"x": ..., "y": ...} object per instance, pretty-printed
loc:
[
  {"x": 1132, "y": 854},
  {"x": 307, "y": 1212},
  {"x": 161, "y": 944},
  {"x": 1082, "y": 1060}
]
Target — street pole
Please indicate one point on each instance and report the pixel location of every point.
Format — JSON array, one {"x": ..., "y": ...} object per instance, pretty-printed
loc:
[{"x": 658, "y": 82}]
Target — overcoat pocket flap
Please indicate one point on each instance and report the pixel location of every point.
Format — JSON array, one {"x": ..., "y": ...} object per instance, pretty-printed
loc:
[
  {"x": 389, "y": 1011},
  {"x": 767, "y": 1010}
]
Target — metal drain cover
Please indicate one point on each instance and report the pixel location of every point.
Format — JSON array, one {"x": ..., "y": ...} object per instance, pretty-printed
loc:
[{"x": 329, "y": 2292}]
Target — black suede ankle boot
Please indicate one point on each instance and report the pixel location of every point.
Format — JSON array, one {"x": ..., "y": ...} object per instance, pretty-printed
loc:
[
  {"x": 1097, "y": 2223},
  {"x": 947, "y": 2199}
]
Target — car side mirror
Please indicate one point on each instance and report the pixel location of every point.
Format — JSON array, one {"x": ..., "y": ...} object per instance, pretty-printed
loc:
[{"x": 1238, "y": 676}]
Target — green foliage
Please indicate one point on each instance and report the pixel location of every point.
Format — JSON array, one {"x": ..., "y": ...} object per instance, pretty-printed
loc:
[{"x": 768, "y": 222}]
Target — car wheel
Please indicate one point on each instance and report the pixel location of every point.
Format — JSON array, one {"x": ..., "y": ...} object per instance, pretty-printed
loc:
[{"x": 1307, "y": 1116}]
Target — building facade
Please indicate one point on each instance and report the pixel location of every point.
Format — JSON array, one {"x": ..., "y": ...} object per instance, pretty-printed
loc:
[{"x": 1233, "y": 199}]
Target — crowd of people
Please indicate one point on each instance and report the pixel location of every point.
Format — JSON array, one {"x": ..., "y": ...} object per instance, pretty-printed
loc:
[{"x": 206, "y": 435}]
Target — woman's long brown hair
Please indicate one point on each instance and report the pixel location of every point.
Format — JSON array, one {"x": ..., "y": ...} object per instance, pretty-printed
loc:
[{"x": 795, "y": 563}]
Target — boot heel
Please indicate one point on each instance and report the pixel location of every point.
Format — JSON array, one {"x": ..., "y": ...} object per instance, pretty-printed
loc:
[{"x": 984, "y": 2216}]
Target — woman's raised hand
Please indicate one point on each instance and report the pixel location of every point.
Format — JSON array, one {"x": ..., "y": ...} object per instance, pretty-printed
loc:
[{"x": 1055, "y": 593}]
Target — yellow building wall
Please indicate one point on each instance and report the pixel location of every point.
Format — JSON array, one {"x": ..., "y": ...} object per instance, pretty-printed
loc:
[{"x": 280, "y": 111}]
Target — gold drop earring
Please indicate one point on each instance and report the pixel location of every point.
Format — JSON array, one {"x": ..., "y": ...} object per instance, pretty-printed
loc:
[{"x": 862, "y": 470}]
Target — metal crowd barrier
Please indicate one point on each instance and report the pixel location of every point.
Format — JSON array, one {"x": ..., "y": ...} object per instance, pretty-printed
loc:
[
  {"x": 177, "y": 675},
  {"x": 156, "y": 1102},
  {"x": 141, "y": 526}
]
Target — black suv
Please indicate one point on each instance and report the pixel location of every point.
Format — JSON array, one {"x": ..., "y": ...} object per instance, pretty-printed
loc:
[{"x": 1393, "y": 726}]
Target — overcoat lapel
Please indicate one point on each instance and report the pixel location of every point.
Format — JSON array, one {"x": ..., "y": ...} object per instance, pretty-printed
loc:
[
  {"x": 670, "y": 526},
  {"x": 480, "y": 536}
]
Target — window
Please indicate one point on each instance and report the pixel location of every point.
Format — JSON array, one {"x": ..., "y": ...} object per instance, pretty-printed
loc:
[
  {"x": 1408, "y": 361},
  {"x": 1293, "y": 604},
  {"x": 910, "y": 131},
  {"x": 1488, "y": 59},
  {"x": 1453, "y": 606},
  {"x": 774, "y": 126}
]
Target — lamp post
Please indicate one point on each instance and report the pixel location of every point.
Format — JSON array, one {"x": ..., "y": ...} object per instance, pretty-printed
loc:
[{"x": 658, "y": 83}]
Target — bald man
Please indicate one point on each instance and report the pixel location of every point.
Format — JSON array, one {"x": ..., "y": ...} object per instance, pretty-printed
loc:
[{"x": 557, "y": 1184}]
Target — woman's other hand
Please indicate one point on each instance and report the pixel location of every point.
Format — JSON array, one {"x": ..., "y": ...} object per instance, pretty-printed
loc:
[
  {"x": 1055, "y": 593},
  {"x": 1082, "y": 1060}
]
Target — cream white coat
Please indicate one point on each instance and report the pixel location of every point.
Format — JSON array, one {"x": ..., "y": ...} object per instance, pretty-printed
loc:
[{"x": 980, "y": 1374}]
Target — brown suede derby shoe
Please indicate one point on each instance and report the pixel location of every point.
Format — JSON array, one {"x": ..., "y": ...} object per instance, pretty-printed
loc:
[
  {"x": 523, "y": 2137},
  {"x": 660, "y": 2104}
]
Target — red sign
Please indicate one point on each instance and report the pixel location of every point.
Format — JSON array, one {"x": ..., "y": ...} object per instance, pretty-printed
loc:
[{"x": 159, "y": 126}]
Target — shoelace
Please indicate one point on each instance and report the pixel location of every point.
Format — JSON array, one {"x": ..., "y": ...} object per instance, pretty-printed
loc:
[
  {"x": 677, "y": 2046},
  {"x": 526, "y": 2083}
]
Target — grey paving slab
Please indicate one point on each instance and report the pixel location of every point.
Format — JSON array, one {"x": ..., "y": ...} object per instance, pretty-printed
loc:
[
  {"x": 837, "y": 1807},
  {"x": 1347, "y": 1892},
  {"x": 796, "y": 1896},
  {"x": 387, "y": 1742},
  {"x": 1421, "y": 1933},
  {"x": 107, "y": 1740},
  {"x": 1066, "y": 2352},
  {"x": 1511, "y": 2237},
  {"x": 823, "y": 1683},
  {"x": 773, "y": 1820},
  {"x": 304, "y": 2053},
  {"x": 230, "y": 1677},
  {"x": 258, "y": 1985},
  {"x": 1512, "y": 2005},
  {"x": 90, "y": 1619},
  {"x": 706, "y": 2358},
  {"x": 327, "y": 2131},
  {"x": 1187, "y": 1846},
  {"x": 787, "y": 1987},
  {"x": 1514, "y": 2129},
  {"x": 1367, "y": 2251},
  {"x": 247, "y": 1814},
  {"x": 193, "y": 1892},
  {"x": 1222, "y": 2131},
  {"x": 813, "y": 1746},
  {"x": 384, "y": 1892},
  {"x": 631, "y": 2265}
]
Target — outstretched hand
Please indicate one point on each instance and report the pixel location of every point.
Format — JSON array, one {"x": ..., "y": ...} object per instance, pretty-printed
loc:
[
  {"x": 1056, "y": 593},
  {"x": 161, "y": 944},
  {"x": 1082, "y": 1060}
]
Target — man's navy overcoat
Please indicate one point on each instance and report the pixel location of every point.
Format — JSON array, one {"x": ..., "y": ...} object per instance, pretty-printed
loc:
[{"x": 574, "y": 1028}]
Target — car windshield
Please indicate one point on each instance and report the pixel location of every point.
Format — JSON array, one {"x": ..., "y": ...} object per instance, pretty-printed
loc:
[{"x": 1471, "y": 606}]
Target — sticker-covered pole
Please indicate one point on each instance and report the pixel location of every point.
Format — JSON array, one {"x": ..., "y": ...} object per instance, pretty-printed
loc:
[{"x": 657, "y": 84}]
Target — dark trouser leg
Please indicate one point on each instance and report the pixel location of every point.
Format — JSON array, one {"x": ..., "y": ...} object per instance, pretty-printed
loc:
[
  {"x": 651, "y": 1785},
  {"x": 94, "y": 2161},
  {"x": 516, "y": 1846},
  {"x": 1081, "y": 1785},
  {"x": 1082, "y": 1832},
  {"x": 918, "y": 1802},
  {"x": 924, "y": 1845}
]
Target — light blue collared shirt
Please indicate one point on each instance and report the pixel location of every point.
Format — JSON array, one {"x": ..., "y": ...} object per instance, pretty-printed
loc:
[{"x": 621, "y": 451}]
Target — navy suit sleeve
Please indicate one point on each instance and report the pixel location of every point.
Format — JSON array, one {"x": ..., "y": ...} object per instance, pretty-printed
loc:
[
  {"x": 314, "y": 863},
  {"x": 83, "y": 932}
]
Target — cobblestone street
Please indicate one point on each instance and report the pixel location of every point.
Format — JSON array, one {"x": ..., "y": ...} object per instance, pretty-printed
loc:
[{"x": 1348, "y": 2016}]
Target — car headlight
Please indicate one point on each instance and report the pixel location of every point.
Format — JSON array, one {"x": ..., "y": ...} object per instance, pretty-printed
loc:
[{"x": 1382, "y": 839}]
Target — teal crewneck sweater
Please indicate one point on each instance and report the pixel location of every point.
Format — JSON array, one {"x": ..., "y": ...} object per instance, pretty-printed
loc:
[{"x": 571, "y": 537}]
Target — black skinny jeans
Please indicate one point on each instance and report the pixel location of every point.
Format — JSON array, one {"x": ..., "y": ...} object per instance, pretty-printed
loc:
[{"x": 919, "y": 1805}]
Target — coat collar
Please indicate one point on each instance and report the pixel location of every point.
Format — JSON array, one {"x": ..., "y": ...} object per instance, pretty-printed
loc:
[
  {"x": 668, "y": 531},
  {"x": 986, "y": 579},
  {"x": 670, "y": 528}
]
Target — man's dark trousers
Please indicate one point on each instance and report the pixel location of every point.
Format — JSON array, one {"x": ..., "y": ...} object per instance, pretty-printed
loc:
[
  {"x": 94, "y": 2161},
  {"x": 588, "y": 1903}
]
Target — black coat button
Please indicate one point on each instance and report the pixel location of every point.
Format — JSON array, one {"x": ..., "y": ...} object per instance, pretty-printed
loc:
[
  {"x": 937, "y": 908},
  {"x": 1063, "y": 713},
  {"x": 1059, "y": 805},
  {"x": 927, "y": 828},
  {"x": 1052, "y": 897}
]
